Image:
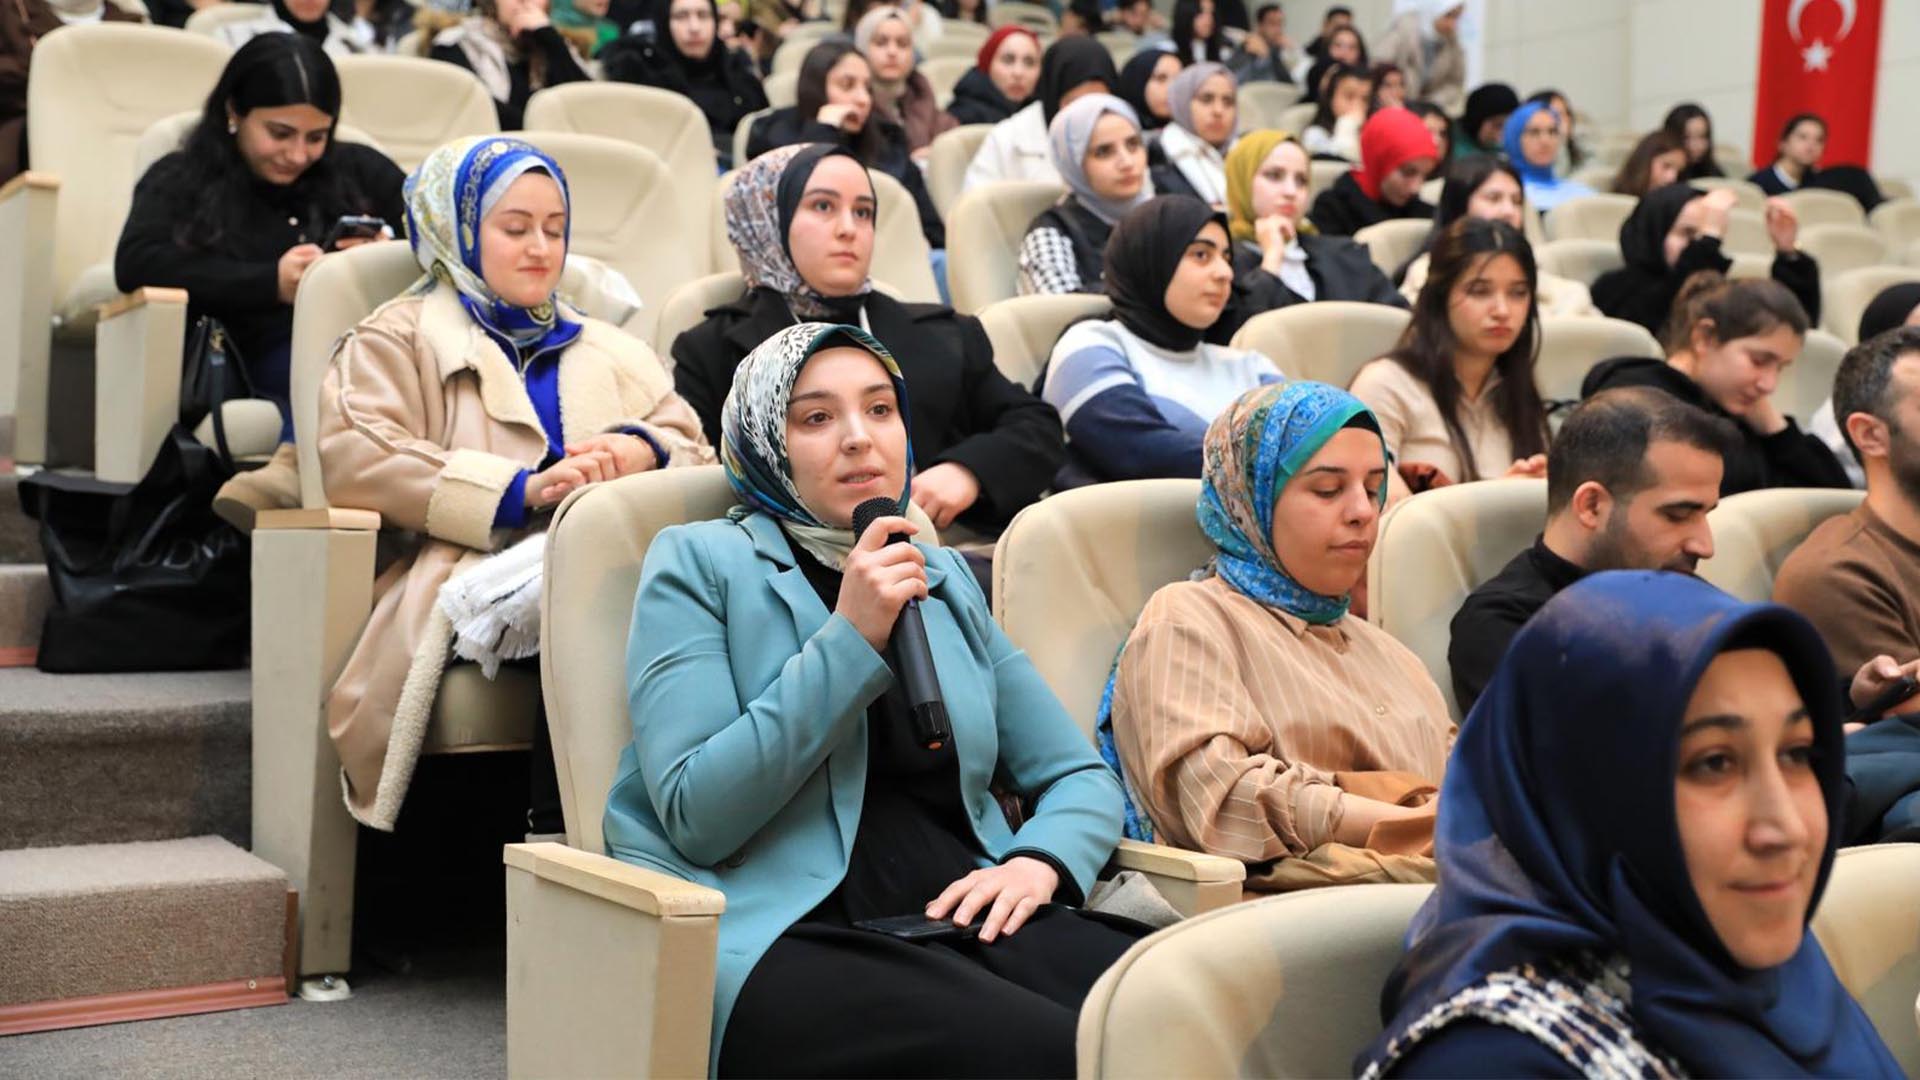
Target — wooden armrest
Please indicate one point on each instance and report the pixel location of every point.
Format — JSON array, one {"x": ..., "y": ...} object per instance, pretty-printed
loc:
[
  {"x": 139, "y": 298},
  {"x": 1177, "y": 863},
  {"x": 338, "y": 518},
  {"x": 39, "y": 181},
  {"x": 630, "y": 886}
]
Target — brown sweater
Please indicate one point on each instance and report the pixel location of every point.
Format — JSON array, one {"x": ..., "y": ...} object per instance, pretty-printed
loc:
[{"x": 1859, "y": 582}]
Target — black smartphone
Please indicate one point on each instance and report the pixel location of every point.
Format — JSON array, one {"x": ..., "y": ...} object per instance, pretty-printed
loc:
[
  {"x": 1902, "y": 689},
  {"x": 354, "y": 227},
  {"x": 917, "y": 928}
]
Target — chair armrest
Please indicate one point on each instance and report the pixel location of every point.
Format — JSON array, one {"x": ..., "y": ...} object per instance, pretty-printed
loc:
[
  {"x": 610, "y": 966},
  {"x": 136, "y": 396},
  {"x": 1193, "y": 882},
  {"x": 27, "y": 206}
]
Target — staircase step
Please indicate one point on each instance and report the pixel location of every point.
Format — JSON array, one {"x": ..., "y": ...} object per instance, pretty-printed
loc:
[
  {"x": 106, "y": 932},
  {"x": 23, "y": 605},
  {"x": 93, "y": 759},
  {"x": 19, "y": 534}
]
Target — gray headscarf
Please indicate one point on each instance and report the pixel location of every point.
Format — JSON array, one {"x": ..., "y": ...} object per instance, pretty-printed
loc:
[
  {"x": 1071, "y": 134},
  {"x": 1181, "y": 91}
]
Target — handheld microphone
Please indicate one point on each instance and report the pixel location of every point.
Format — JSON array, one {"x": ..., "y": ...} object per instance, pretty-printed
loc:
[{"x": 911, "y": 658}]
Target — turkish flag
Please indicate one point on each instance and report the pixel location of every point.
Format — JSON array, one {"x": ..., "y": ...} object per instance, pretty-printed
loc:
[{"x": 1818, "y": 56}]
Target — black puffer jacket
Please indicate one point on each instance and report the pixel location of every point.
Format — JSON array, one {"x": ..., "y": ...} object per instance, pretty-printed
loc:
[{"x": 977, "y": 101}]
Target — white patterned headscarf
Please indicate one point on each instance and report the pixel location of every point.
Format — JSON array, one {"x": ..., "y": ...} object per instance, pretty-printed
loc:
[{"x": 760, "y": 205}]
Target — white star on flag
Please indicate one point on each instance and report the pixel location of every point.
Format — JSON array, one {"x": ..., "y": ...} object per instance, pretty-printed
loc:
[{"x": 1816, "y": 55}]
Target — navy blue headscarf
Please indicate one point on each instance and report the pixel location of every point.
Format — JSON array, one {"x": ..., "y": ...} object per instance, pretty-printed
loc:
[{"x": 1557, "y": 832}]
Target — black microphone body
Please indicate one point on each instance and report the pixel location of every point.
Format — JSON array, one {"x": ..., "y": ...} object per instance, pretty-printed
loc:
[{"x": 909, "y": 654}]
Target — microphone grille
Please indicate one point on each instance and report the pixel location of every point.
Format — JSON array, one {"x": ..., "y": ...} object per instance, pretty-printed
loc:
[{"x": 871, "y": 511}]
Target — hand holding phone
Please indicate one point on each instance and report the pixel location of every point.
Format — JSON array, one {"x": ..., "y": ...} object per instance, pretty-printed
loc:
[
  {"x": 361, "y": 227},
  {"x": 917, "y": 927}
]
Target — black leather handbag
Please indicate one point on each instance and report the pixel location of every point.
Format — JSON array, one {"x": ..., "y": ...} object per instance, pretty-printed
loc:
[{"x": 212, "y": 374}]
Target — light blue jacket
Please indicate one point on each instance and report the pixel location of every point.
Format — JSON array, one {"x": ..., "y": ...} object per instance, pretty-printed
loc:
[{"x": 749, "y": 755}]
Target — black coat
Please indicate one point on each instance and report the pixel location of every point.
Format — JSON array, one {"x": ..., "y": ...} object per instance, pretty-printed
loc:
[
  {"x": 961, "y": 408},
  {"x": 1635, "y": 294},
  {"x": 977, "y": 101},
  {"x": 726, "y": 92},
  {"x": 561, "y": 68},
  {"x": 1344, "y": 209},
  {"x": 1494, "y": 613},
  {"x": 784, "y": 127},
  {"x": 1787, "y": 458},
  {"x": 1340, "y": 269}
]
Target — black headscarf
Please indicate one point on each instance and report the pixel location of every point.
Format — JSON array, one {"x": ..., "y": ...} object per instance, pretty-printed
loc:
[
  {"x": 1889, "y": 309},
  {"x": 1066, "y": 64},
  {"x": 663, "y": 37},
  {"x": 1643, "y": 236},
  {"x": 1133, "y": 85},
  {"x": 1142, "y": 255},
  {"x": 317, "y": 29},
  {"x": 1487, "y": 101}
]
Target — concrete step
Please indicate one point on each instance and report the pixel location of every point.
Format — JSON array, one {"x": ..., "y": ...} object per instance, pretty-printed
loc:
[
  {"x": 108, "y": 932},
  {"x": 24, "y": 597},
  {"x": 94, "y": 759},
  {"x": 19, "y": 534}
]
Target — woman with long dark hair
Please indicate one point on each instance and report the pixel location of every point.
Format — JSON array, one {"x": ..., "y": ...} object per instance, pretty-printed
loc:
[
  {"x": 1691, "y": 124},
  {"x": 238, "y": 213},
  {"x": 1344, "y": 46},
  {"x": 1198, "y": 36},
  {"x": 1342, "y": 109},
  {"x": 1487, "y": 187},
  {"x": 685, "y": 55},
  {"x": 1658, "y": 159}
]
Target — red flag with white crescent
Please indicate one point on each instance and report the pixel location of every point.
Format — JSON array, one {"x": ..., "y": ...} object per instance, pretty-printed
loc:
[{"x": 1818, "y": 56}]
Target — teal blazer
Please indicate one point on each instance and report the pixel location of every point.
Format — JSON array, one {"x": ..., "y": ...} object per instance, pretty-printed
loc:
[{"x": 749, "y": 755}]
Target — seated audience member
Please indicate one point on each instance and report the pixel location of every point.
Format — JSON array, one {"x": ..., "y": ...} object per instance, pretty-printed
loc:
[
  {"x": 1344, "y": 45},
  {"x": 1694, "y": 128},
  {"x": 801, "y": 220},
  {"x": 1138, "y": 18},
  {"x": 513, "y": 48},
  {"x": 1488, "y": 188},
  {"x": 1727, "y": 345},
  {"x": 1082, "y": 18},
  {"x": 1857, "y": 576},
  {"x": 1278, "y": 260},
  {"x": 772, "y": 745},
  {"x": 684, "y": 54},
  {"x": 22, "y": 25},
  {"x": 1803, "y": 142},
  {"x": 1674, "y": 233},
  {"x": 1658, "y": 159},
  {"x": 1389, "y": 88},
  {"x": 311, "y": 19},
  {"x": 1439, "y": 123},
  {"x": 973, "y": 11},
  {"x": 1335, "y": 17},
  {"x": 835, "y": 107},
  {"x": 1397, "y": 153},
  {"x": 1018, "y": 148},
  {"x": 461, "y": 412},
  {"x": 1143, "y": 84},
  {"x": 1136, "y": 392},
  {"x": 769, "y": 21},
  {"x": 1198, "y": 36},
  {"x": 1572, "y": 156},
  {"x": 1631, "y": 477},
  {"x": 1206, "y": 113},
  {"x": 901, "y": 93},
  {"x": 1456, "y": 399},
  {"x": 1424, "y": 44},
  {"x": 1267, "y": 54},
  {"x": 1533, "y": 139},
  {"x": 1335, "y": 131},
  {"x": 1099, "y": 150},
  {"x": 1650, "y": 748},
  {"x": 1895, "y": 306},
  {"x": 585, "y": 23},
  {"x": 1482, "y": 128},
  {"x": 1254, "y": 716},
  {"x": 1002, "y": 80},
  {"x": 238, "y": 213}
]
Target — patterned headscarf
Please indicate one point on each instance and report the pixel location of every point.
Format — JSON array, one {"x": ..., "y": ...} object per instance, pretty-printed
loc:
[
  {"x": 758, "y": 217},
  {"x": 447, "y": 199},
  {"x": 1071, "y": 135},
  {"x": 1252, "y": 450},
  {"x": 753, "y": 434}
]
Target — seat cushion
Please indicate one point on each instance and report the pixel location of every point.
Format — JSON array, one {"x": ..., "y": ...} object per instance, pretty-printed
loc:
[{"x": 473, "y": 713}]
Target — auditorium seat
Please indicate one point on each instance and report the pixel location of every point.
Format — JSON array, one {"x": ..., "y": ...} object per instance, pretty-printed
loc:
[
  {"x": 1298, "y": 118},
  {"x": 1393, "y": 242},
  {"x": 1748, "y": 194},
  {"x": 411, "y": 105},
  {"x": 1840, "y": 248},
  {"x": 1844, "y": 297},
  {"x": 1869, "y": 927},
  {"x": 209, "y": 21},
  {"x": 1897, "y": 221},
  {"x": 947, "y": 160},
  {"x": 1571, "y": 344},
  {"x": 984, "y": 232},
  {"x": 1436, "y": 547},
  {"x": 961, "y": 34},
  {"x": 1590, "y": 217},
  {"x": 1282, "y": 986},
  {"x": 1264, "y": 104},
  {"x": 1894, "y": 187},
  {"x": 1023, "y": 329},
  {"x": 1817, "y": 206},
  {"x": 742, "y": 135},
  {"x": 944, "y": 73},
  {"x": 793, "y": 48},
  {"x": 1036, "y": 17},
  {"x": 1807, "y": 383},
  {"x": 1122, "y": 44},
  {"x": 1322, "y": 173},
  {"x": 686, "y": 306},
  {"x": 1755, "y": 531},
  {"x": 1328, "y": 341},
  {"x": 782, "y": 87},
  {"x": 901, "y": 257},
  {"x": 1579, "y": 260},
  {"x": 1747, "y": 234}
]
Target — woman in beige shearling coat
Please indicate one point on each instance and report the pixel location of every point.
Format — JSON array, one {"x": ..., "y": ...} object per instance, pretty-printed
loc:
[{"x": 462, "y": 411}]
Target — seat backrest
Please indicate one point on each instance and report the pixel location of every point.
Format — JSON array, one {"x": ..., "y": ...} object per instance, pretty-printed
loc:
[
  {"x": 1435, "y": 548},
  {"x": 1036, "y": 17},
  {"x": 1328, "y": 341},
  {"x": 947, "y": 159},
  {"x": 783, "y": 88},
  {"x": 1571, "y": 344},
  {"x": 1591, "y": 217},
  {"x": 742, "y": 135},
  {"x": 1807, "y": 383},
  {"x": 1747, "y": 233},
  {"x": 1818, "y": 206},
  {"x": 1121, "y": 45},
  {"x": 1393, "y": 242},
  {"x": 1298, "y": 118},
  {"x": 1579, "y": 260},
  {"x": 944, "y": 73},
  {"x": 1321, "y": 175},
  {"x": 793, "y": 48},
  {"x": 667, "y": 123},
  {"x": 1840, "y": 248},
  {"x": 1844, "y": 297},
  {"x": 1023, "y": 329},
  {"x": 686, "y": 307},
  {"x": 901, "y": 257},
  {"x": 412, "y": 105},
  {"x": 1749, "y": 194},
  {"x": 595, "y": 549},
  {"x": 1264, "y": 104},
  {"x": 1894, "y": 187},
  {"x": 1073, "y": 571},
  {"x": 1755, "y": 531},
  {"x": 84, "y": 126},
  {"x": 1869, "y": 927},
  {"x": 208, "y": 21},
  {"x": 984, "y": 232},
  {"x": 1214, "y": 995},
  {"x": 1897, "y": 221},
  {"x": 170, "y": 133}
]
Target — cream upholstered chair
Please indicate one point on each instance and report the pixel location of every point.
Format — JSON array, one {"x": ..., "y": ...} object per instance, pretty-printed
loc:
[
  {"x": 1591, "y": 217},
  {"x": 1392, "y": 243},
  {"x": 742, "y": 135},
  {"x": 666, "y": 123},
  {"x": 1436, "y": 547},
  {"x": 413, "y": 105},
  {"x": 947, "y": 160},
  {"x": 965, "y": 34},
  {"x": 1840, "y": 248},
  {"x": 1894, "y": 187},
  {"x": 1897, "y": 221},
  {"x": 1579, "y": 260},
  {"x": 1844, "y": 297},
  {"x": 1747, "y": 233},
  {"x": 1036, "y": 17},
  {"x": 313, "y": 573},
  {"x": 1120, "y": 44},
  {"x": 1023, "y": 329},
  {"x": 1298, "y": 118},
  {"x": 1817, "y": 206},
  {"x": 1215, "y": 995},
  {"x": 1869, "y": 927},
  {"x": 944, "y": 73},
  {"x": 794, "y": 47},
  {"x": 1321, "y": 173},
  {"x": 901, "y": 257},
  {"x": 59, "y": 224},
  {"x": 1807, "y": 383},
  {"x": 1263, "y": 104},
  {"x": 210, "y": 20},
  {"x": 687, "y": 306},
  {"x": 783, "y": 89},
  {"x": 984, "y": 233},
  {"x": 1328, "y": 341},
  {"x": 1749, "y": 194},
  {"x": 1755, "y": 531},
  {"x": 949, "y": 47},
  {"x": 1430, "y": 191},
  {"x": 1571, "y": 344}
]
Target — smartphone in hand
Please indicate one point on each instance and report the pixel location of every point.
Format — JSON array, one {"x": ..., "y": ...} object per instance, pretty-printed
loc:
[{"x": 354, "y": 227}]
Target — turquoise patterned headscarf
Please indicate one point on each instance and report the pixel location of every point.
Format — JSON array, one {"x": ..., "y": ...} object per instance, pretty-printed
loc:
[{"x": 1252, "y": 450}]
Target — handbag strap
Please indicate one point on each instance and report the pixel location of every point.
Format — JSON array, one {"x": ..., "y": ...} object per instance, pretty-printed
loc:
[{"x": 217, "y": 377}]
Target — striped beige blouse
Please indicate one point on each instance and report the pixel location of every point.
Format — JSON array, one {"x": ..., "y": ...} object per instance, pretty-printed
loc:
[{"x": 1231, "y": 719}]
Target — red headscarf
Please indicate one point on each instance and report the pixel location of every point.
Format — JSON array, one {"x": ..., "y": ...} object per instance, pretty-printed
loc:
[
  {"x": 985, "y": 57},
  {"x": 1390, "y": 139}
]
